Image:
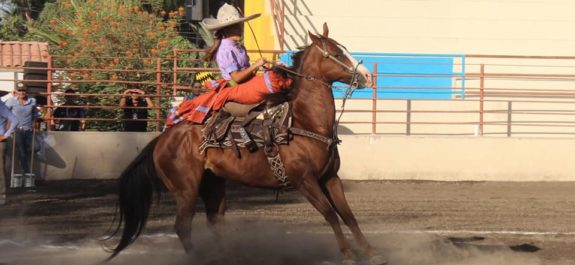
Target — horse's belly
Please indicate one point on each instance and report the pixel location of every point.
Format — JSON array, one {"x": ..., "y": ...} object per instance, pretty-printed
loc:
[{"x": 251, "y": 169}]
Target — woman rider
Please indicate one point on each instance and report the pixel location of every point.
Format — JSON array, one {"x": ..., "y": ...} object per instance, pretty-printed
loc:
[{"x": 240, "y": 83}]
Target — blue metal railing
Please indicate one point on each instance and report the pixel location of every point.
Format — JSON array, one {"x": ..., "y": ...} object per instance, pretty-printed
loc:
[{"x": 408, "y": 75}]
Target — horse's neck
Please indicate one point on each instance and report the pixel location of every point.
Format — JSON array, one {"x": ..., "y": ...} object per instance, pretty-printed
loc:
[{"x": 314, "y": 108}]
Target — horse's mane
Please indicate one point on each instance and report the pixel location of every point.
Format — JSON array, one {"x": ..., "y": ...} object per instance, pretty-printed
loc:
[{"x": 288, "y": 93}]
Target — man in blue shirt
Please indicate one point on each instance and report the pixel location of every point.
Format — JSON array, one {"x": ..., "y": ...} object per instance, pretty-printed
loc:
[
  {"x": 8, "y": 123},
  {"x": 26, "y": 111}
]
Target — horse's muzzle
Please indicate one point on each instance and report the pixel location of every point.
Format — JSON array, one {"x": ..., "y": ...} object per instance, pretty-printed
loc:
[{"x": 364, "y": 78}]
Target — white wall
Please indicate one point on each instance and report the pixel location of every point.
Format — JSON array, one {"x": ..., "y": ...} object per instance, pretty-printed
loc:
[
  {"x": 517, "y": 27},
  {"x": 103, "y": 155},
  {"x": 7, "y": 80},
  {"x": 457, "y": 158}
]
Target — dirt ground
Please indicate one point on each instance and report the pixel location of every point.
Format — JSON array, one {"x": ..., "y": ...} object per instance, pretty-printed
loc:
[{"x": 411, "y": 222}]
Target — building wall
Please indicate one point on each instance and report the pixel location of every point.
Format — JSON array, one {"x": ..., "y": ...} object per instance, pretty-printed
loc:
[
  {"x": 518, "y": 27},
  {"x": 457, "y": 158},
  {"x": 8, "y": 80},
  {"x": 103, "y": 155}
]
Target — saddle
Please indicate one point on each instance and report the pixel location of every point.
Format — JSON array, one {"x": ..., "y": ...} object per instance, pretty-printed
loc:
[{"x": 248, "y": 126}]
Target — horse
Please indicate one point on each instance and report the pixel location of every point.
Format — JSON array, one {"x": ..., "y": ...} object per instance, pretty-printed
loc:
[{"x": 311, "y": 161}]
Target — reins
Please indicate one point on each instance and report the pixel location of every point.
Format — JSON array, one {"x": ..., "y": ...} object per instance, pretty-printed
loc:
[{"x": 348, "y": 92}]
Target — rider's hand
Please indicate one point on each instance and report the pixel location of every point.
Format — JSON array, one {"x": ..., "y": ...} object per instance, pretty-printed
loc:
[
  {"x": 260, "y": 62},
  {"x": 2, "y": 138}
]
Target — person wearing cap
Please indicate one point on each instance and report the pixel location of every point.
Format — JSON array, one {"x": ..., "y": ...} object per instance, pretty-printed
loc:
[
  {"x": 8, "y": 124},
  {"x": 241, "y": 82},
  {"x": 26, "y": 112}
]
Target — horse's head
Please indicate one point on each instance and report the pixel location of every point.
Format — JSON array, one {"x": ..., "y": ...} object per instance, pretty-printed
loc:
[{"x": 337, "y": 64}]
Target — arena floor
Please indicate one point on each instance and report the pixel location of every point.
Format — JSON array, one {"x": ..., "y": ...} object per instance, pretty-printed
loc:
[{"x": 412, "y": 222}]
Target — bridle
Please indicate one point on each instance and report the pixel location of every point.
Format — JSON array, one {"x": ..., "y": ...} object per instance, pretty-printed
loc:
[
  {"x": 353, "y": 85},
  {"x": 350, "y": 69}
]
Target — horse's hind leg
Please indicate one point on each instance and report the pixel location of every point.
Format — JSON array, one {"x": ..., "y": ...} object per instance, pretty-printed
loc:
[
  {"x": 213, "y": 192},
  {"x": 185, "y": 202},
  {"x": 335, "y": 193},
  {"x": 312, "y": 191}
]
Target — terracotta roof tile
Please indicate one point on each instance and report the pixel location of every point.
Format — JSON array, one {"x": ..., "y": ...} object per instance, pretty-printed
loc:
[{"x": 15, "y": 53}]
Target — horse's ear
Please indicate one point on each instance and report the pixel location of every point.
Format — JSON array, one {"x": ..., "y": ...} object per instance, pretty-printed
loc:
[
  {"x": 325, "y": 30},
  {"x": 314, "y": 39}
]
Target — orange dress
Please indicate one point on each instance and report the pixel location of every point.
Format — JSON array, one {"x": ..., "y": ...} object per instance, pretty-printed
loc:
[{"x": 251, "y": 92}]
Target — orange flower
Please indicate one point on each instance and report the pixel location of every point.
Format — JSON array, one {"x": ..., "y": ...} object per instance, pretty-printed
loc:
[{"x": 53, "y": 21}]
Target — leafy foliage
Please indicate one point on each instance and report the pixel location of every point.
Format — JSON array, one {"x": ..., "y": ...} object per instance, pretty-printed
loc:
[{"x": 96, "y": 41}]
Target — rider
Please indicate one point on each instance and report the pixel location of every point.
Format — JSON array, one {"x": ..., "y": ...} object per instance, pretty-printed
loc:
[{"x": 240, "y": 82}]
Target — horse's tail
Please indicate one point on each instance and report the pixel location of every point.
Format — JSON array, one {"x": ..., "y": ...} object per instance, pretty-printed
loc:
[{"x": 136, "y": 189}]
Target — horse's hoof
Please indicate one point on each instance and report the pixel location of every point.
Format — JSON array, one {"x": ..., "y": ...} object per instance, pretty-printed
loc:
[
  {"x": 377, "y": 260},
  {"x": 348, "y": 262}
]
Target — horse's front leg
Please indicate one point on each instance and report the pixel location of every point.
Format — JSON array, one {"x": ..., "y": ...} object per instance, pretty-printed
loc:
[
  {"x": 334, "y": 188},
  {"x": 310, "y": 188}
]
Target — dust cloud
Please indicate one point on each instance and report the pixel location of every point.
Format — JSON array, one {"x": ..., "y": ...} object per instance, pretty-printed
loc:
[
  {"x": 254, "y": 243},
  {"x": 426, "y": 249}
]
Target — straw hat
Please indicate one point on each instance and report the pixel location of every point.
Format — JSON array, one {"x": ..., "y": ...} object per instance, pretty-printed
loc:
[
  {"x": 227, "y": 16},
  {"x": 202, "y": 77}
]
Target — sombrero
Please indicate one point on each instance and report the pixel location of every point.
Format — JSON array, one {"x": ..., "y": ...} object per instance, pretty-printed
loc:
[
  {"x": 227, "y": 16},
  {"x": 202, "y": 77}
]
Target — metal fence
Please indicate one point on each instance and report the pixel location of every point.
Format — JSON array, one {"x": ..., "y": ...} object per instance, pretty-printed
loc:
[
  {"x": 507, "y": 96},
  {"x": 472, "y": 95}
]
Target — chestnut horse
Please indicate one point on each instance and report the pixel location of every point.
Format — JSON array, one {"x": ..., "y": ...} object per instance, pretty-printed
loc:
[{"x": 311, "y": 164}]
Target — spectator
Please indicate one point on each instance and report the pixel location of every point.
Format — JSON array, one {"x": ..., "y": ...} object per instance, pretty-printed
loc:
[
  {"x": 26, "y": 112},
  {"x": 135, "y": 107},
  {"x": 196, "y": 90},
  {"x": 69, "y": 110},
  {"x": 8, "y": 123},
  {"x": 198, "y": 86}
]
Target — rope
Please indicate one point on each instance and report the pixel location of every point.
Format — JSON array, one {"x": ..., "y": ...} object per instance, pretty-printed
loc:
[{"x": 253, "y": 33}]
